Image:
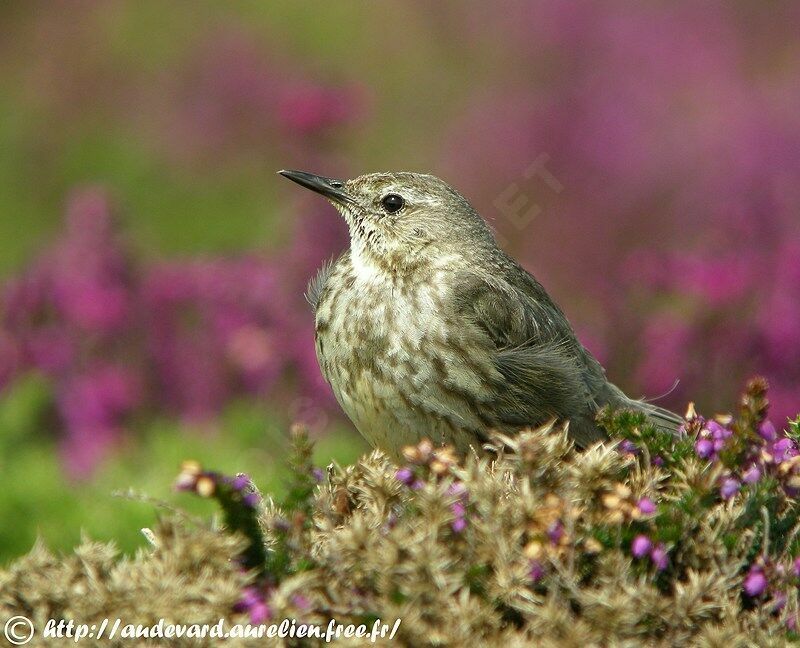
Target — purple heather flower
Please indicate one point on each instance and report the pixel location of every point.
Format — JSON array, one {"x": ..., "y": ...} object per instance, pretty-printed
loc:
[
  {"x": 627, "y": 447},
  {"x": 659, "y": 556},
  {"x": 260, "y": 613},
  {"x": 417, "y": 484},
  {"x": 767, "y": 431},
  {"x": 704, "y": 448},
  {"x": 459, "y": 524},
  {"x": 796, "y": 566},
  {"x": 318, "y": 475},
  {"x": 555, "y": 532},
  {"x": 251, "y": 499},
  {"x": 240, "y": 481},
  {"x": 657, "y": 460},
  {"x": 751, "y": 475},
  {"x": 755, "y": 583},
  {"x": 782, "y": 450},
  {"x": 641, "y": 546},
  {"x": 717, "y": 430},
  {"x": 729, "y": 488},
  {"x": 404, "y": 476},
  {"x": 250, "y": 596},
  {"x": 536, "y": 572},
  {"x": 646, "y": 505},
  {"x": 458, "y": 509}
]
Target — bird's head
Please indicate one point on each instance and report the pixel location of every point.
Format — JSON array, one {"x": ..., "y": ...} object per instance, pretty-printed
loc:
[{"x": 401, "y": 220}]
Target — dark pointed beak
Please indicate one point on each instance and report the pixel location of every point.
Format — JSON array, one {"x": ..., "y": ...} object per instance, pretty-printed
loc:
[{"x": 328, "y": 187}]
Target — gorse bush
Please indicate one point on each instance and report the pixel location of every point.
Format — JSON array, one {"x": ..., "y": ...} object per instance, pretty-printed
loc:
[{"x": 643, "y": 541}]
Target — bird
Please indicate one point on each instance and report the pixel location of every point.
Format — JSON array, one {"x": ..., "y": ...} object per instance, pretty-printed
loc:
[{"x": 426, "y": 329}]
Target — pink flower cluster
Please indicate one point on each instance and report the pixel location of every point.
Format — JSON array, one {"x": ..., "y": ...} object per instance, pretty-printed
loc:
[
  {"x": 770, "y": 453},
  {"x": 648, "y": 156},
  {"x": 119, "y": 339}
]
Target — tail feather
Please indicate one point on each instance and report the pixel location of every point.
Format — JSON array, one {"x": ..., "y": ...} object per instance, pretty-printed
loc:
[{"x": 662, "y": 418}]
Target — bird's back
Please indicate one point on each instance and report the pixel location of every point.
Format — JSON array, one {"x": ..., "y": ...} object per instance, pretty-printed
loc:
[{"x": 548, "y": 372}]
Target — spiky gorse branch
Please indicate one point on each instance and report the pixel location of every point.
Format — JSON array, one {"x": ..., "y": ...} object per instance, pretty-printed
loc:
[
  {"x": 276, "y": 547},
  {"x": 641, "y": 541},
  {"x": 706, "y": 522}
]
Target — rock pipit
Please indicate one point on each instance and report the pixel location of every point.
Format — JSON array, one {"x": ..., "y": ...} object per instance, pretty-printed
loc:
[{"x": 425, "y": 328}]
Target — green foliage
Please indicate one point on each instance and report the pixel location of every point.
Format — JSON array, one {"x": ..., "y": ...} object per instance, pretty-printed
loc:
[{"x": 42, "y": 502}]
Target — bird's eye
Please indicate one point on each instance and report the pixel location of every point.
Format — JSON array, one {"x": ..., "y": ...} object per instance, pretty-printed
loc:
[{"x": 393, "y": 203}]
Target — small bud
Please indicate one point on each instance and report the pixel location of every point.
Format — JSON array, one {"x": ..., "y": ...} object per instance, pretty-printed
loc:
[
  {"x": 533, "y": 550},
  {"x": 729, "y": 488},
  {"x": 425, "y": 448},
  {"x": 185, "y": 482},
  {"x": 205, "y": 486},
  {"x": 459, "y": 524},
  {"x": 755, "y": 583},
  {"x": 191, "y": 467},
  {"x": 623, "y": 491},
  {"x": 751, "y": 475},
  {"x": 552, "y": 500},
  {"x": 767, "y": 431},
  {"x": 536, "y": 572},
  {"x": 439, "y": 467},
  {"x": 555, "y": 532},
  {"x": 691, "y": 412},
  {"x": 704, "y": 448},
  {"x": 412, "y": 454},
  {"x": 641, "y": 546},
  {"x": 240, "y": 481},
  {"x": 404, "y": 476},
  {"x": 592, "y": 546},
  {"x": 659, "y": 557},
  {"x": 646, "y": 506},
  {"x": 723, "y": 419},
  {"x": 259, "y": 613}
]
